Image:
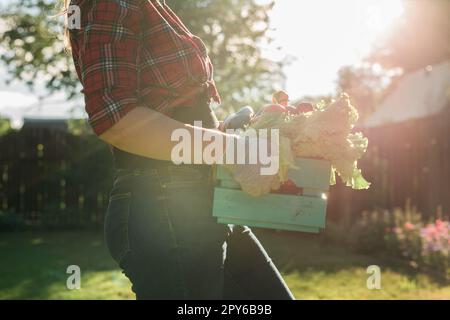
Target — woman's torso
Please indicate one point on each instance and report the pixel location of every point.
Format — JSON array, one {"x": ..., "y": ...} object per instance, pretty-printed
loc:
[{"x": 173, "y": 64}]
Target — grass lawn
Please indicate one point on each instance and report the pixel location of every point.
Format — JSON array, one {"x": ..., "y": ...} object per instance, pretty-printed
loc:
[{"x": 33, "y": 266}]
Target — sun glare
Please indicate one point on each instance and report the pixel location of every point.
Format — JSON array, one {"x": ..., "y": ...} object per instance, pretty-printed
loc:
[
  {"x": 323, "y": 35},
  {"x": 382, "y": 14}
]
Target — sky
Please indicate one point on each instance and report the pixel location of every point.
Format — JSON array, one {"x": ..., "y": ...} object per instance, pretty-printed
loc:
[
  {"x": 324, "y": 35},
  {"x": 319, "y": 35}
]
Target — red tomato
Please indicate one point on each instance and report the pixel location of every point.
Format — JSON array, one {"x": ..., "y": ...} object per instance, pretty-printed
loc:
[
  {"x": 289, "y": 187},
  {"x": 304, "y": 107},
  {"x": 292, "y": 110}
]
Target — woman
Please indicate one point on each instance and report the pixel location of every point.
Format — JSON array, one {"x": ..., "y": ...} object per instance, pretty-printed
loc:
[{"x": 145, "y": 75}]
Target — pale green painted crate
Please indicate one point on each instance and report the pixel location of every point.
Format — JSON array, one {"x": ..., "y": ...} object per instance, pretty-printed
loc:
[{"x": 304, "y": 213}]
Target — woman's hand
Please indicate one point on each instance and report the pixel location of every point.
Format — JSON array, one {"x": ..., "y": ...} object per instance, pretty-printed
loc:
[
  {"x": 238, "y": 120},
  {"x": 251, "y": 177}
]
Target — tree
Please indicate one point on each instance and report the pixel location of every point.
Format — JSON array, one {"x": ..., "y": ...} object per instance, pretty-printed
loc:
[
  {"x": 419, "y": 39},
  {"x": 33, "y": 47},
  {"x": 232, "y": 29},
  {"x": 366, "y": 84},
  {"x": 5, "y": 125}
]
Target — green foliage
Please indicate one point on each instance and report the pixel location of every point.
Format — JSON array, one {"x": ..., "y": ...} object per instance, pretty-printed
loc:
[
  {"x": 33, "y": 46},
  {"x": 5, "y": 126},
  {"x": 233, "y": 30},
  {"x": 366, "y": 85},
  {"x": 79, "y": 127}
]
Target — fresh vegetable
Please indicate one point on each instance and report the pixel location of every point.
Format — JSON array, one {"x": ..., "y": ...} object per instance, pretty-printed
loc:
[
  {"x": 274, "y": 108},
  {"x": 289, "y": 187},
  {"x": 304, "y": 107},
  {"x": 281, "y": 97},
  {"x": 239, "y": 119},
  {"x": 325, "y": 133}
]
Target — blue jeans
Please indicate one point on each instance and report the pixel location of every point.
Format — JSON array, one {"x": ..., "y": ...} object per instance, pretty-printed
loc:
[{"x": 160, "y": 229}]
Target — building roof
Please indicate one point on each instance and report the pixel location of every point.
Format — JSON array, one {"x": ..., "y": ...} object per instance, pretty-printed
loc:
[
  {"x": 418, "y": 94},
  {"x": 39, "y": 123}
]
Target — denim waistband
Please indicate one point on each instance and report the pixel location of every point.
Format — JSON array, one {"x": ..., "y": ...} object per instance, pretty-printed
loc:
[{"x": 168, "y": 173}]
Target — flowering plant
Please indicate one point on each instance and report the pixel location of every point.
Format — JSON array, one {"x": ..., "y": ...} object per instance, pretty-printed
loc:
[
  {"x": 405, "y": 234},
  {"x": 426, "y": 245}
]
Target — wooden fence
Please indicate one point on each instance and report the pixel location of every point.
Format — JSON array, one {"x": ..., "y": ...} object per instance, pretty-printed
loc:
[
  {"x": 406, "y": 162},
  {"x": 52, "y": 178}
]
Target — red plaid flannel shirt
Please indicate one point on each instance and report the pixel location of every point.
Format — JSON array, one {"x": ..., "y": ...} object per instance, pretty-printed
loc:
[{"x": 132, "y": 53}]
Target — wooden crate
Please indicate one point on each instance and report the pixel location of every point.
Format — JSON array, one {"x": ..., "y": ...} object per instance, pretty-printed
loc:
[{"x": 305, "y": 212}]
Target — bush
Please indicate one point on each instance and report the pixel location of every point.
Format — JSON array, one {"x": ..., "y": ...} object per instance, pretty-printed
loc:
[
  {"x": 399, "y": 233},
  {"x": 367, "y": 233},
  {"x": 427, "y": 245}
]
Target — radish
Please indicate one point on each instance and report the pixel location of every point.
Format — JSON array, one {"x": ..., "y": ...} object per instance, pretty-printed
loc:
[
  {"x": 275, "y": 108},
  {"x": 289, "y": 187}
]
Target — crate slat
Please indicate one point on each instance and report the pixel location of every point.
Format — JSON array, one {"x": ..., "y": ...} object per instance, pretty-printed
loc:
[
  {"x": 261, "y": 224},
  {"x": 271, "y": 209}
]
